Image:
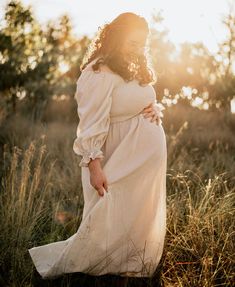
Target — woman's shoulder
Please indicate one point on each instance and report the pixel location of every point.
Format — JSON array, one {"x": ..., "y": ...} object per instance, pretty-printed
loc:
[{"x": 103, "y": 70}]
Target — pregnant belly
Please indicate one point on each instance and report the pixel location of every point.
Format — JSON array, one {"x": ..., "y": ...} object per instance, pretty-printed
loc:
[
  {"x": 132, "y": 147},
  {"x": 153, "y": 136},
  {"x": 136, "y": 136}
]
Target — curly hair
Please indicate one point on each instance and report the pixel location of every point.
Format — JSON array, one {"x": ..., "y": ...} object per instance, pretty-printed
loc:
[{"x": 106, "y": 47}]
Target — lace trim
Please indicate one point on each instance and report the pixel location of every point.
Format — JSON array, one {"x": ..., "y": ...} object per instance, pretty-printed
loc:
[{"x": 87, "y": 156}]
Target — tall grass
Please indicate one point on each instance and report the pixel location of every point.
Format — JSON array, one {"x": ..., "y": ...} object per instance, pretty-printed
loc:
[
  {"x": 200, "y": 245},
  {"x": 41, "y": 197}
]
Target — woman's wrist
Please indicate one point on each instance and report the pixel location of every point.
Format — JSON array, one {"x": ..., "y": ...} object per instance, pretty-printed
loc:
[{"x": 94, "y": 164}]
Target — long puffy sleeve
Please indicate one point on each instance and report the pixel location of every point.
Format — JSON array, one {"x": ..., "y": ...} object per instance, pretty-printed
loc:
[{"x": 93, "y": 96}]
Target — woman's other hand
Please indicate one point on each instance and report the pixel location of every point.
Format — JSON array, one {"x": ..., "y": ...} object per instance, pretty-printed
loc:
[
  {"x": 97, "y": 176},
  {"x": 149, "y": 112},
  {"x": 153, "y": 110}
]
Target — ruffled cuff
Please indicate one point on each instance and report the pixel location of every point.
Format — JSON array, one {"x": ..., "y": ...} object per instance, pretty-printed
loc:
[
  {"x": 158, "y": 107},
  {"x": 86, "y": 156}
]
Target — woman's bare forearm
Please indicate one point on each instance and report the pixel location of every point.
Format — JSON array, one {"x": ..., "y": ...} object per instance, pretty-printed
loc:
[{"x": 94, "y": 164}]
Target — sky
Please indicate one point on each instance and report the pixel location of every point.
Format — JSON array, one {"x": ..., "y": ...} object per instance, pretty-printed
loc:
[{"x": 186, "y": 20}]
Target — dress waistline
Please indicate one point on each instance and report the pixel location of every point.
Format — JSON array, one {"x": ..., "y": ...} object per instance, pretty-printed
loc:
[{"x": 123, "y": 119}]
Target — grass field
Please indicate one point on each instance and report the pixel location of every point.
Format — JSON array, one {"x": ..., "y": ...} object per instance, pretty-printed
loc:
[{"x": 41, "y": 197}]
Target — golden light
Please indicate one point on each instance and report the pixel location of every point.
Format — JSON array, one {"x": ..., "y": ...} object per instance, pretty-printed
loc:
[
  {"x": 59, "y": 98},
  {"x": 63, "y": 67},
  {"x": 233, "y": 105},
  {"x": 186, "y": 20}
]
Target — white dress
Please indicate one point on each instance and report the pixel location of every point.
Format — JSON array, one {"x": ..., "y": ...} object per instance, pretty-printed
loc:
[{"x": 122, "y": 232}]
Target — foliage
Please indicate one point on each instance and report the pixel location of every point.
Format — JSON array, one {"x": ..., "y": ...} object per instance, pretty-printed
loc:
[
  {"x": 41, "y": 197},
  {"x": 208, "y": 76},
  {"x": 32, "y": 59},
  {"x": 38, "y": 64}
]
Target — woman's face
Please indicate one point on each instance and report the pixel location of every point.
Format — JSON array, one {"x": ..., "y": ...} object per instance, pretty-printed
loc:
[{"x": 135, "y": 43}]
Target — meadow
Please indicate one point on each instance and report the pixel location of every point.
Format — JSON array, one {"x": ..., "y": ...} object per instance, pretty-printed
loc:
[{"x": 41, "y": 196}]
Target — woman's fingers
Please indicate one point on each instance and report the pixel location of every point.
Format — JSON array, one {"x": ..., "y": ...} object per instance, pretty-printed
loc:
[
  {"x": 153, "y": 115},
  {"x": 149, "y": 111},
  {"x": 101, "y": 191},
  {"x": 149, "y": 114},
  {"x": 147, "y": 107},
  {"x": 154, "y": 118},
  {"x": 106, "y": 186}
]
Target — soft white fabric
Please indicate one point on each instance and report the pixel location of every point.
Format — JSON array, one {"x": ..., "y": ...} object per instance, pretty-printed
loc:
[
  {"x": 122, "y": 232},
  {"x": 94, "y": 101}
]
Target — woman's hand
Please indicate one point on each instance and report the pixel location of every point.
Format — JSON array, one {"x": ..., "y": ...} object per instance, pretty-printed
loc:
[
  {"x": 149, "y": 112},
  {"x": 97, "y": 177},
  {"x": 153, "y": 110}
]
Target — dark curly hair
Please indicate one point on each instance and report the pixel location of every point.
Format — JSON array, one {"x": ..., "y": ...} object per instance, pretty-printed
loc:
[{"x": 106, "y": 47}]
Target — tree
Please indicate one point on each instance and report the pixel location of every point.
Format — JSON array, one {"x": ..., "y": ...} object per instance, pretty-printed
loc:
[
  {"x": 15, "y": 50},
  {"x": 32, "y": 60},
  {"x": 209, "y": 77},
  {"x": 224, "y": 88}
]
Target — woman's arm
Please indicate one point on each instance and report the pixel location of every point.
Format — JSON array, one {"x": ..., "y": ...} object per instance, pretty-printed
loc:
[{"x": 94, "y": 100}]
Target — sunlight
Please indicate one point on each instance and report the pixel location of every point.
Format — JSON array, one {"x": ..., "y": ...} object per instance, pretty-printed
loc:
[
  {"x": 63, "y": 67},
  {"x": 199, "y": 103},
  {"x": 233, "y": 105},
  {"x": 187, "y": 92},
  {"x": 180, "y": 17},
  {"x": 59, "y": 98},
  {"x": 195, "y": 21}
]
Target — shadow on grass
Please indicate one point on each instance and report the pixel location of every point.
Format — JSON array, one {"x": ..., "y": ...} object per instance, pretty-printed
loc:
[{"x": 79, "y": 279}]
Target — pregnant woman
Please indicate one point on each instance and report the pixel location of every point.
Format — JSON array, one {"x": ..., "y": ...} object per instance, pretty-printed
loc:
[{"x": 123, "y": 162}]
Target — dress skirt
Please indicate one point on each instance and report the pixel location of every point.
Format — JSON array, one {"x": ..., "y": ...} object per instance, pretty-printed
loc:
[{"x": 122, "y": 232}]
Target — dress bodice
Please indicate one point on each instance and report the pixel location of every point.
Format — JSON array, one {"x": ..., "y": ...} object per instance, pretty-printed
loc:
[{"x": 128, "y": 98}]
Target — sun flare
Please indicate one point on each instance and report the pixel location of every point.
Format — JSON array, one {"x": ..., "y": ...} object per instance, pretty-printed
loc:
[{"x": 186, "y": 20}]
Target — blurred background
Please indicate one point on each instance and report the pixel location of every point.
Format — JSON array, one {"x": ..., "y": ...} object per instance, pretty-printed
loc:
[
  {"x": 43, "y": 42},
  {"x": 192, "y": 45}
]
